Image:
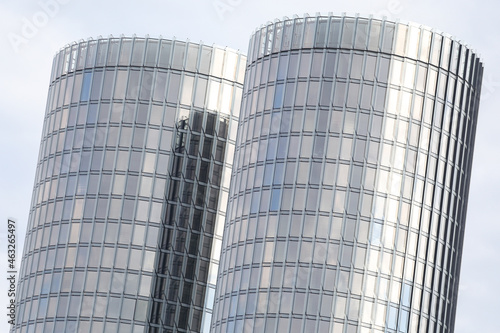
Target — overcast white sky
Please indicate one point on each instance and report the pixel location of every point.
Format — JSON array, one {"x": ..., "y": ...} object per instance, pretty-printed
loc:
[{"x": 26, "y": 59}]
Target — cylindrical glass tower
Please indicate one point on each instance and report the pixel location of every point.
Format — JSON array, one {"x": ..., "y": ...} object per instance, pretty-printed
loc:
[
  {"x": 131, "y": 188},
  {"x": 350, "y": 181}
]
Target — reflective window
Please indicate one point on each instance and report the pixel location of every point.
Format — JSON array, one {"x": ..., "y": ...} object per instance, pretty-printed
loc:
[
  {"x": 278, "y": 96},
  {"x": 275, "y": 200},
  {"x": 85, "y": 94}
]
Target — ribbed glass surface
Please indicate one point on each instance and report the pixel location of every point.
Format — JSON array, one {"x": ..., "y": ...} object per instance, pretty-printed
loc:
[
  {"x": 350, "y": 181},
  {"x": 131, "y": 188}
]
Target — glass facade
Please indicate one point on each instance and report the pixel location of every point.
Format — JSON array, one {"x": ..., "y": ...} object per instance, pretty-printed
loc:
[
  {"x": 131, "y": 188},
  {"x": 350, "y": 181}
]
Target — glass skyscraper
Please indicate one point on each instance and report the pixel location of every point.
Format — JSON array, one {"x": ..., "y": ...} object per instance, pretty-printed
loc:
[
  {"x": 344, "y": 211},
  {"x": 350, "y": 180},
  {"x": 131, "y": 188}
]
